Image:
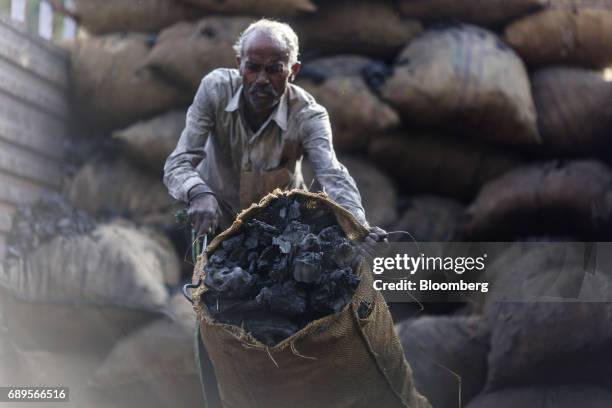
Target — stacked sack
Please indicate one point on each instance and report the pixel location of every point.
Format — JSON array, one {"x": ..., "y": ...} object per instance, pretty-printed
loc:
[{"x": 458, "y": 119}]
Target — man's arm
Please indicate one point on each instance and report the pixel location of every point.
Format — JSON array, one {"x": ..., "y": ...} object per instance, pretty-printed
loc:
[
  {"x": 332, "y": 175},
  {"x": 180, "y": 175}
]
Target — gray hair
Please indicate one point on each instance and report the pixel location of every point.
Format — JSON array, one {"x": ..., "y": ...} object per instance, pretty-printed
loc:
[{"x": 281, "y": 32}]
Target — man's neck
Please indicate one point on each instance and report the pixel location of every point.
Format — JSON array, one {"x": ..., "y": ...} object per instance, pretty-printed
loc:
[{"x": 255, "y": 119}]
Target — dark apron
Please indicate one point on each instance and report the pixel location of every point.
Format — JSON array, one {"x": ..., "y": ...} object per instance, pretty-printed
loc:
[{"x": 254, "y": 185}]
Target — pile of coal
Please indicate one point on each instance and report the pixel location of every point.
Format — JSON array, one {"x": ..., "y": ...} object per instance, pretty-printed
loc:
[
  {"x": 44, "y": 220},
  {"x": 285, "y": 267}
]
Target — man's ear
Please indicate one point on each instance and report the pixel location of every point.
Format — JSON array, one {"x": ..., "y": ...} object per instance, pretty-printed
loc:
[
  {"x": 295, "y": 70},
  {"x": 238, "y": 62}
]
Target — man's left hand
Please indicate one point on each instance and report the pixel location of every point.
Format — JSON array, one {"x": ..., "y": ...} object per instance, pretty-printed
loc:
[{"x": 375, "y": 235}]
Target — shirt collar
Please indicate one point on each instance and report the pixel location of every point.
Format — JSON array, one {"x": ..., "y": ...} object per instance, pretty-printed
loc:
[{"x": 279, "y": 115}]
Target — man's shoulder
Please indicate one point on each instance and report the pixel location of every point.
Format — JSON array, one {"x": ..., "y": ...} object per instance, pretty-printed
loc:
[
  {"x": 303, "y": 104},
  {"x": 222, "y": 82}
]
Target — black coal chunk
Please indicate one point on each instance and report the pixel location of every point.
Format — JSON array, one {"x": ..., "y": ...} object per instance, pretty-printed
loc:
[
  {"x": 36, "y": 224},
  {"x": 287, "y": 266}
]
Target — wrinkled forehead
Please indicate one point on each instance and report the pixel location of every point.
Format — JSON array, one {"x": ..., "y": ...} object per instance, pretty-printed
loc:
[{"x": 265, "y": 47}]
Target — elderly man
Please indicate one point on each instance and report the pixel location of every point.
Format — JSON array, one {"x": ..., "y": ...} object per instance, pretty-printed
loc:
[{"x": 247, "y": 131}]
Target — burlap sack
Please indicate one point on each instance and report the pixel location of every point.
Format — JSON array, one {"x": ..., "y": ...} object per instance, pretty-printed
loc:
[
  {"x": 108, "y": 89},
  {"x": 489, "y": 12},
  {"x": 431, "y": 164},
  {"x": 356, "y": 113},
  {"x": 430, "y": 218},
  {"x": 184, "y": 53},
  {"x": 441, "y": 348},
  {"x": 360, "y": 27},
  {"x": 577, "y": 192},
  {"x": 320, "y": 69},
  {"x": 268, "y": 8},
  {"x": 115, "y": 187},
  {"x": 545, "y": 396},
  {"x": 464, "y": 77},
  {"x": 340, "y": 360},
  {"x": 378, "y": 194},
  {"x": 102, "y": 17},
  {"x": 573, "y": 110},
  {"x": 529, "y": 270},
  {"x": 148, "y": 143},
  {"x": 156, "y": 363},
  {"x": 564, "y": 35},
  {"x": 549, "y": 342},
  {"x": 87, "y": 290}
]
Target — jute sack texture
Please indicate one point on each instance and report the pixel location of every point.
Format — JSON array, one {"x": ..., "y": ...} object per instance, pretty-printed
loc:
[
  {"x": 372, "y": 28},
  {"x": 88, "y": 290},
  {"x": 573, "y": 107},
  {"x": 148, "y": 143},
  {"x": 440, "y": 348},
  {"x": 487, "y": 12},
  {"x": 546, "y": 396},
  {"x": 578, "y": 191},
  {"x": 184, "y": 53},
  {"x": 341, "y": 360},
  {"x": 421, "y": 162},
  {"x": 430, "y": 218},
  {"x": 355, "y": 112},
  {"x": 103, "y": 17},
  {"x": 108, "y": 87},
  {"x": 466, "y": 78},
  {"x": 571, "y": 33},
  {"x": 116, "y": 187},
  {"x": 156, "y": 362},
  {"x": 269, "y": 8}
]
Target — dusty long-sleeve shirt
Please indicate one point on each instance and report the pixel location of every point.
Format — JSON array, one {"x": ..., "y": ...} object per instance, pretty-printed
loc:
[{"x": 217, "y": 144}]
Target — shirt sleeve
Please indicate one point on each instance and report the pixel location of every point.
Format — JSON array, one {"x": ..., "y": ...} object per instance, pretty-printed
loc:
[
  {"x": 180, "y": 174},
  {"x": 331, "y": 174}
]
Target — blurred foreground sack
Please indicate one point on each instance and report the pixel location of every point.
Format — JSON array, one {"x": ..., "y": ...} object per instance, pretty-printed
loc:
[
  {"x": 489, "y": 12},
  {"x": 545, "y": 396},
  {"x": 87, "y": 290},
  {"x": 351, "y": 358},
  {"x": 575, "y": 32},
  {"x": 440, "y": 348},
  {"x": 269, "y": 8},
  {"x": 150, "y": 142},
  {"x": 102, "y": 17},
  {"x": 573, "y": 107},
  {"x": 184, "y": 53},
  {"x": 356, "y": 113},
  {"x": 153, "y": 366},
  {"x": 464, "y": 77},
  {"x": 372, "y": 28},
  {"x": 109, "y": 88},
  {"x": 427, "y": 163},
  {"x": 578, "y": 192}
]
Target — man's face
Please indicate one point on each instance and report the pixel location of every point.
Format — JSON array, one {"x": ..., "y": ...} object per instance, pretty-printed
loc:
[{"x": 265, "y": 71}]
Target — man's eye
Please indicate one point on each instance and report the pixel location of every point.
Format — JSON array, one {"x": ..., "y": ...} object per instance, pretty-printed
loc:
[
  {"x": 252, "y": 67},
  {"x": 274, "y": 69}
]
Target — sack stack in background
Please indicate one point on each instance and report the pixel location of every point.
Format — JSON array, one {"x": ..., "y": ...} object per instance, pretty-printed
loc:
[{"x": 458, "y": 119}]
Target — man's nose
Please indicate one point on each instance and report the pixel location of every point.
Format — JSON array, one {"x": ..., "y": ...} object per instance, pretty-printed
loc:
[{"x": 262, "y": 77}]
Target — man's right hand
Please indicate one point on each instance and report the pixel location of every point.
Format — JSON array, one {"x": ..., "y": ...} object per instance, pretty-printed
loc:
[{"x": 204, "y": 214}]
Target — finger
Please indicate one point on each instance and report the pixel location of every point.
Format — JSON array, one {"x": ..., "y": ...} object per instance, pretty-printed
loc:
[
  {"x": 204, "y": 226},
  {"x": 371, "y": 239}
]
